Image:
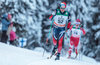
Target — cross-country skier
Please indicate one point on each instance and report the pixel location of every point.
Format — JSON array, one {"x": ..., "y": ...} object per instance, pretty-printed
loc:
[
  {"x": 75, "y": 31},
  {"x": 60, "y": 18}
]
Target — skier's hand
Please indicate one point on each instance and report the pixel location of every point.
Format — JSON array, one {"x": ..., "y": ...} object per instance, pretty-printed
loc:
[{"x": 46, "y": 40}]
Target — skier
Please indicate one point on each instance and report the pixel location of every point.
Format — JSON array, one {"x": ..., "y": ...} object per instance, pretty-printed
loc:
[
  {"x": 60, "y": 18},
  {"x": 5, "y": 24},
  {"x": 75, "y": 31}
]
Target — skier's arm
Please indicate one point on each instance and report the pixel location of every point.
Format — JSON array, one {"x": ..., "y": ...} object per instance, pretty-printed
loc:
[
  {"x": 69, "y": 29},
  {"x": 52, "y": 15},
  {"x": 69, "y": 24},
  {"x": 69, "y": 21},
  {"x": 50, "y": 18},
  {"x": 83, "y": 31}
]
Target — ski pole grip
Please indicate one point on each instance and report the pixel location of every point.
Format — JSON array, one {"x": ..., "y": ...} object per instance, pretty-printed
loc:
[{"x": 46, "y": 40}]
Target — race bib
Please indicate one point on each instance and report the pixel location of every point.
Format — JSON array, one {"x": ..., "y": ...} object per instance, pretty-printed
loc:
[
  {"x": 60, "y": 20},
  {"x": 76, "y": 32}
]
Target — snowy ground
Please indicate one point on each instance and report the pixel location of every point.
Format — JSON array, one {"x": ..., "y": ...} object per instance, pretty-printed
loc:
[{"x": 10, "y": 55}]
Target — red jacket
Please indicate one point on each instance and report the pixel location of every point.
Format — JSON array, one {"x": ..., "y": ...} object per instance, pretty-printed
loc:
[{"x": 12, "y": 35}]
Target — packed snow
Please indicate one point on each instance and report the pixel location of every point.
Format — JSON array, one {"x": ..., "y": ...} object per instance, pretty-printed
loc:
[{"x": 11, "y": 55}]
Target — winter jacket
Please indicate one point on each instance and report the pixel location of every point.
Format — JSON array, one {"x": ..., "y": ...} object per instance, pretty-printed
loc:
[
  {"x": 12, "y": 35},
  {"x": 5, "y": 23}
]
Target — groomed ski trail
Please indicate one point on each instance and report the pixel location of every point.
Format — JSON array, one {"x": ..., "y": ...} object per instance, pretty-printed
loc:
[{"x": 11, "y": 55}]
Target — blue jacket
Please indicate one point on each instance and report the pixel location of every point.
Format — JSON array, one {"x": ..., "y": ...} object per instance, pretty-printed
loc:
[{"x": 5, "y": 23}]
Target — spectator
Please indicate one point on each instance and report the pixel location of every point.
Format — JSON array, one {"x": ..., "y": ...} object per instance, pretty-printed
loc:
[
  {"x": 5, "y": 24},
  {"x": 12, "y": 37}
]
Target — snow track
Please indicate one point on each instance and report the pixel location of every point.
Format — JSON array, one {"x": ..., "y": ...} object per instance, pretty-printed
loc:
[{"x": 10, "y": 55}]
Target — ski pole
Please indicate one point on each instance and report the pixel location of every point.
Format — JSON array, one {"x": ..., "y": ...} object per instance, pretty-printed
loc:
[
  {"x": 48, "y": 36},
  {"x": 50, "y": 29},
  {"x": 44, "y": 49},
  {"x": 43, "y": 53}
]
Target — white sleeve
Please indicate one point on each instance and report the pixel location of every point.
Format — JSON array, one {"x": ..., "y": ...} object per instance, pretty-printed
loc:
[{"x": 54, "y": 13}]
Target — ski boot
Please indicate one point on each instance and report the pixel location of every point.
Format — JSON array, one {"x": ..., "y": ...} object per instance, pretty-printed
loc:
[
  {"x": 57, "y": 56},
  {"x": 69, "y": 56},
  {"x": 76, "y": 55},
  {"x": 54, "y": 52}
]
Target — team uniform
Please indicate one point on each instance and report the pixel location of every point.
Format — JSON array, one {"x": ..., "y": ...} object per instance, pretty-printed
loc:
[
  {"x": 60, "y": 20},
  {"x": 76, "y": 33}
]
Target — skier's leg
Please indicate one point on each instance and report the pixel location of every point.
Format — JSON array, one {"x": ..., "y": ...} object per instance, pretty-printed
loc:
[
  {"x": 55, "y": 46},
  {"x": 60, "y": 40},
  {"x": 60, "y": 44},
  {"x": 76, "y": 42},
  {"x": 58, "y": 56},
  {"x": 55, "y": 35},
  {"x": 54, "y": 40},
  {"x": 70, "y": 47},
  {"x": 59, "y": 48}
]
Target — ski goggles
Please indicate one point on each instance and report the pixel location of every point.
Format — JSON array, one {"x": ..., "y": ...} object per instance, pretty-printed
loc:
[
  {"x": 77, "y": 23},
  {"x": 62, "y": 8}
]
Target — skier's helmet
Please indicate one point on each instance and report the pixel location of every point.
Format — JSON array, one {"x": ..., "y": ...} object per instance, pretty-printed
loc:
[
  {"x": 78, "y": 21},
  {"x": 63, "y": 5},
  {"x": 9, "y": 16}
]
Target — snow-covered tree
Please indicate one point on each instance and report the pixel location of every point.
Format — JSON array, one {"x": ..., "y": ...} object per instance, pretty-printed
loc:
[{"x": 30, "y": 18}]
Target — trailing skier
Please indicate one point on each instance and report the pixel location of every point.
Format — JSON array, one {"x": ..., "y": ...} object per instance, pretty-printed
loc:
[{"x": 75, "y": 31}]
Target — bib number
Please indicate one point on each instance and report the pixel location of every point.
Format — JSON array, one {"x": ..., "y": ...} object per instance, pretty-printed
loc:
[
  {"x": 75, "y": 33},
  {"x": 60, "y": 19}
]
